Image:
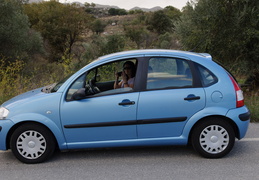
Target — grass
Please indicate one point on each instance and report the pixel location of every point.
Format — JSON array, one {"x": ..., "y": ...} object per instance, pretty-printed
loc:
[{"x": 252, "y": 102}]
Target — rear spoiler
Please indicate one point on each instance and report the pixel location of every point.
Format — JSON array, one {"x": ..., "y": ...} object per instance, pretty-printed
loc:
[{"x": 206, "y": 55}]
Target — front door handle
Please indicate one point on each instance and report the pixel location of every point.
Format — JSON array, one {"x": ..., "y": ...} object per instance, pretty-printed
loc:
[{"x": 190, "y": 98}]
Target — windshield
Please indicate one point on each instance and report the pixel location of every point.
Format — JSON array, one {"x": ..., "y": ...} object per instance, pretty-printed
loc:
[{"x": 59, "y": 84}]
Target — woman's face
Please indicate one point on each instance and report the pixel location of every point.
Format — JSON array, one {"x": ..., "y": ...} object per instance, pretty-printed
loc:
[{"x": 127, "y": 69}]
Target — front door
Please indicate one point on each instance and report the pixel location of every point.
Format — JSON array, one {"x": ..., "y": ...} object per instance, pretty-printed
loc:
[
  {"x": 104, "y": 118},
  {"x": 94, "y": 114}
]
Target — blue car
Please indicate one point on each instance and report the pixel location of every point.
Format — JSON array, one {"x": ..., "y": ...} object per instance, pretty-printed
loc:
[{"x": 132, "y": 98}]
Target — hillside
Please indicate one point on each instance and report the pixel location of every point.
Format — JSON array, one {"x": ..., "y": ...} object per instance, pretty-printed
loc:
[
  {"x": 101, "y": 6},
  {"x": 115, "y": 23}
]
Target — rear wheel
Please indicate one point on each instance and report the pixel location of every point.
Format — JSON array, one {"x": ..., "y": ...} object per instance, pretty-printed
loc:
[
  {"x": 32, "y": 143},
  {"x": 213, "y": 138}
]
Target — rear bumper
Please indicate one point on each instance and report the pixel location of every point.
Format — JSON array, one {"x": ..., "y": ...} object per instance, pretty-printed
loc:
[
  {"x": 241, "y": 117},
  {"x": 245, "y": 116}
]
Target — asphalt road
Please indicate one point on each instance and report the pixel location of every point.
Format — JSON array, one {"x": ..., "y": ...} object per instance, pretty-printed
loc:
[{"x": 172, "y": 163}]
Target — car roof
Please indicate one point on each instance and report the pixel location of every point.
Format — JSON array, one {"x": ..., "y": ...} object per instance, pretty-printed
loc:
[
  {"x": 149, "y": 52},
  {"x": 154, "y": 52}
]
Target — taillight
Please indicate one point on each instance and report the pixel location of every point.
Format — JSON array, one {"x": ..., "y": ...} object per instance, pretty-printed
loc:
[{"x": 239, "y": 94}]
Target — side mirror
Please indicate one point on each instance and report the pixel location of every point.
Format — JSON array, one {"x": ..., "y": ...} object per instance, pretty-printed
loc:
[{"x": 79, "y": 94}]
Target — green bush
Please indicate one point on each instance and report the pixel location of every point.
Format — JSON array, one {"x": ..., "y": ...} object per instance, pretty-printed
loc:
[
  {"x": 11, "y": 82},
  {"x": 17, "y": 77},
  {"x": 252, "y": 102}
]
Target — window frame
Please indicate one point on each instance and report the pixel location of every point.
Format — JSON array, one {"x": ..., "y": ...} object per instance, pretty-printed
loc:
[
  {"x": 136, "y": 87},
  {"x": 196, "y": 81},
  {"x": 215, "y": 78}
]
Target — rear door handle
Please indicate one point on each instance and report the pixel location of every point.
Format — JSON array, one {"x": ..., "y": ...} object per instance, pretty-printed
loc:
[
  {"x": 123, "y": 103},
  {"x": 189, "y": 98}
]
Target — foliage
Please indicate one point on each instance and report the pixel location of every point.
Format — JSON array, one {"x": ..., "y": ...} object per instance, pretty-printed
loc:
[
  {"x": 167, "y": 41},
  {"x": 16, "y": 38},
  {"x": 162, "y": 21},
  {"x": 173, "y": 13},
  {"x": 10, "y": 78},
  {"x": 103, "y": 45},
  {"x": 97, "y": 26},
  {"x": 227, "y": 29},
  {"x": 60, "y": 24},
  {"x": 114, "y": 12},
  {"x": 136, "y": 11},
  {"x": 115, "y": 43},
  {"x": 252, "y": 102},
  {"x": 17, "y": 77},
  {"x": 90, "y": 8},
  {"x": 137, "y": 33}
]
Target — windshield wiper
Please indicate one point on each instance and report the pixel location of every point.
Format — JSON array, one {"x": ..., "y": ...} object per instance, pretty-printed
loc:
[{"x": 48, "y": 89}]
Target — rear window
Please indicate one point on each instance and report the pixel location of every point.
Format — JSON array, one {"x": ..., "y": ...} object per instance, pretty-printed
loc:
[
  {"x": 207, "y": 77},
  {"x": 168, "y": 73}
]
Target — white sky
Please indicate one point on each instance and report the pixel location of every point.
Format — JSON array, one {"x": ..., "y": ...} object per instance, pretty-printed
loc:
[{"x": 128, "y": 4}]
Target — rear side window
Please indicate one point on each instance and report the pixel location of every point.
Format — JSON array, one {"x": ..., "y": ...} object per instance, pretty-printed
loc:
[
  {"x": 207, "y": 77},
  {"x": 168, "y": 73}
]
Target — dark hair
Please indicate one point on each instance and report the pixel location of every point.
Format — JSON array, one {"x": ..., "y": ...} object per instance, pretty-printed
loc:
[{"x": 132, "y": 66}]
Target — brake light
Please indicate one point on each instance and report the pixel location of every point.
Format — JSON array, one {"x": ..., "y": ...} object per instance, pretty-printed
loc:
[{"x": 239, "y": 94}]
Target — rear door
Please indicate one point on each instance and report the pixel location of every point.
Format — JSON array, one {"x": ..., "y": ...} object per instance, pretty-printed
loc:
[{"x": 170, "y": 99}]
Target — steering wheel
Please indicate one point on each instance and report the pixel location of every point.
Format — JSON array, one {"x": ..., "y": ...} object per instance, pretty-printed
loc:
[{"x": 94, "y": 88}]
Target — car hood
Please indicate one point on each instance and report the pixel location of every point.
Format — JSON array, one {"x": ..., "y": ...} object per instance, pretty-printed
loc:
[{"x": 20, "y": 99}]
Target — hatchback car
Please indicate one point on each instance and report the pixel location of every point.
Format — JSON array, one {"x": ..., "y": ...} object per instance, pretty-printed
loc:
[{"x": 177, "y": 98}]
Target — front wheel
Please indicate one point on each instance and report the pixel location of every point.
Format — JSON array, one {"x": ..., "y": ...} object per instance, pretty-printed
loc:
[
  {"x": 213, "y": 138},
  {"x": 32, "y": 143}
]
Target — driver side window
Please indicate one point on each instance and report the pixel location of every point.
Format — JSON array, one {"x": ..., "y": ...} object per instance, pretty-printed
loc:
[{"x": 97, "y": 81}]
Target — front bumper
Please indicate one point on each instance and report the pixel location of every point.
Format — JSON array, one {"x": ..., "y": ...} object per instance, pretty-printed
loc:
[{"x": 5, "y": 126}]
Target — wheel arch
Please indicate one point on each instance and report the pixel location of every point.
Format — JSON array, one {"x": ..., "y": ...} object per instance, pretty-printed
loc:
[
  {"x": 228, "y": 120},
  {"x": 11, "y": 131}
]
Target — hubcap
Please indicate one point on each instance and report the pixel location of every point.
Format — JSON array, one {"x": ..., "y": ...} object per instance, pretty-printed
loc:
[
  {"x": 214, "y": 139},
  {"x": 31, "y": 144}
]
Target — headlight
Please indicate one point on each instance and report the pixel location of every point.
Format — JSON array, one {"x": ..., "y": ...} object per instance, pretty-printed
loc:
[{"x": 3, "y": 113}]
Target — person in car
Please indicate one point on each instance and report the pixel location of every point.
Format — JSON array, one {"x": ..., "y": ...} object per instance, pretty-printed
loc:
[{"x": 128, "y": 76}]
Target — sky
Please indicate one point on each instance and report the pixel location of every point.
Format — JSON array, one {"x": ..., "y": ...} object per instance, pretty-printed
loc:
[{"x": 128, "y": 4}]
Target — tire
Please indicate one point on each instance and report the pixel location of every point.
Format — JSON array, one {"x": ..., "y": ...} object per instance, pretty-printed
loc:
[
  {"x": 213, "y": 138},
  {"x": 32, "y": 143}
]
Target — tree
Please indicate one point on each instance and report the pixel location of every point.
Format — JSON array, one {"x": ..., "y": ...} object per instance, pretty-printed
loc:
[
  {"x": 227, "y": 29},
  {"x": 60, "y": 25},
  {"x": 160, "y": 22},
  {"x": 90, "y": 8},
  {"x": 97, "y": 26},
  {"x": 173, "y": 13},
  {"x": 115, "y": 43},
  {"x": 167, "y": 41},
  {"x": 16, "y": 38},
  {"x": 114, "y": 12},
  {"x": 136, "y": 33},
  {"x": 100, "y": 46}
]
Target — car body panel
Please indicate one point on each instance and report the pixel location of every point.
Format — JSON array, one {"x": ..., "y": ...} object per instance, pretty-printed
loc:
[
  {"x": 167, "y": 104},
  {"x": 36, "y": 106}
]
